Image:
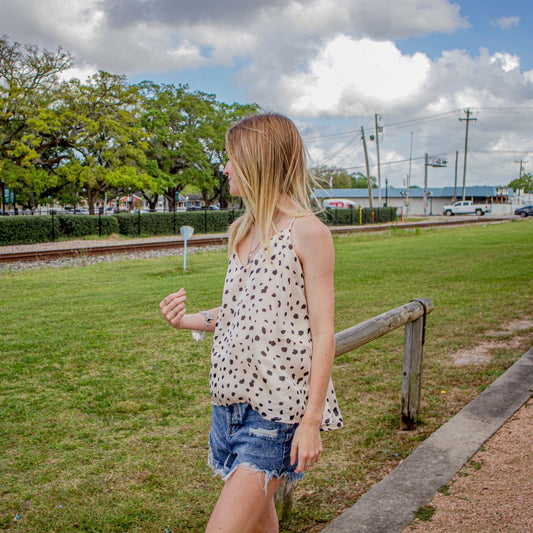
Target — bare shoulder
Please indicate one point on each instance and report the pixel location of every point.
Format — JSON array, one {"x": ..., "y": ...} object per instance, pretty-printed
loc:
[{"x": 310, "y": 234}]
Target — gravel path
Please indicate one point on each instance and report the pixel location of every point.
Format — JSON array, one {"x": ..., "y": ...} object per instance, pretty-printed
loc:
[{"x": 494, "y": 491}]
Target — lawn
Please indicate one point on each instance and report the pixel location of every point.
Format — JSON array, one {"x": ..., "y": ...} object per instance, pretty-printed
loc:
[{"x": 105, "y": 408}]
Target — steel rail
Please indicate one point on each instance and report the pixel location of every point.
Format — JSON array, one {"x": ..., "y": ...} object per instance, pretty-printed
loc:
[{"x": 58, "y": 253}]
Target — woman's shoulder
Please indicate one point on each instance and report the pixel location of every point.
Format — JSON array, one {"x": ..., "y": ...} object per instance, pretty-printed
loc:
[
  {"x": 310, "y": 225},
  {"x": 309, "y": 232}
]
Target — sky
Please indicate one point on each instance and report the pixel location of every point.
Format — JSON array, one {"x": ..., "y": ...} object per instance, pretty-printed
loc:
[{"x": 330, "y": 65}]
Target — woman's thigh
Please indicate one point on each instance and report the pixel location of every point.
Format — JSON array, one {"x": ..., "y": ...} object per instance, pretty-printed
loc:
[{"x": 244, "y": 504}]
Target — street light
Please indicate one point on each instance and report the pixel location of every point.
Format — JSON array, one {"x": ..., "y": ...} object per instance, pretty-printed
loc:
[{"x": 221, "y": 177}]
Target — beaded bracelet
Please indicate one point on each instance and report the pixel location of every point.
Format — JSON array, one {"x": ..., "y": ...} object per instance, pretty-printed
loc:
[{"x": 200, "y": 335}]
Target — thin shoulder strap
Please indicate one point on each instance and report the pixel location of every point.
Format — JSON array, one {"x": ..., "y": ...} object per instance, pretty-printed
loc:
[{"x": 291, "y": 223}]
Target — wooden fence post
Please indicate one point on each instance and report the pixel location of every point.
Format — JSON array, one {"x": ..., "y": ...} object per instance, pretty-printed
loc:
[
  {"x": 283, "y": 501},
  {"x": 413, "y": 355},
  {"x": 413, "y": 316}
]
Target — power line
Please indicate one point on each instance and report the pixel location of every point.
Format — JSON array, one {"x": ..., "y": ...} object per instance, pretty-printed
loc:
[{"x": 337, "y": 152}]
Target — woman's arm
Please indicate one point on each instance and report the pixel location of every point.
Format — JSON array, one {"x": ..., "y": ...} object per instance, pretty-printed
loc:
[
  {"x": 314, "y": 247},
  {"x": 175, "y": 313}
]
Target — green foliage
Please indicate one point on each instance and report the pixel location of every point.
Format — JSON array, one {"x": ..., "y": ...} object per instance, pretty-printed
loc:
[
  {"x": 31, "y": 229},
  {"x": 204, "y": 221},
  {"x": 186, "y": 137},
  {"x": 26, "y": 229},
  {"x": 12, "y": 229},
  {"x": 28, "y": 93},
  {"x": 525, "y": 183},
  {"x": 338, "y": 178},
  {"x": 359, "y": 181},
  {"x": 356, "y": 216},
  {"x": 425, "y": 513},
  {"x": 83, "y": 225},
  {"x": 83, "y": 140}
]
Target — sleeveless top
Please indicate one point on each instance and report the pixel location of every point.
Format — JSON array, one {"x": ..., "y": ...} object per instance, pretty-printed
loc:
[{"x": 262, "y": 344}]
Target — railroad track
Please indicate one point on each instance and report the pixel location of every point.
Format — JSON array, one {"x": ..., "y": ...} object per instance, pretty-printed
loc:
[{"x": 58, "y": 253}]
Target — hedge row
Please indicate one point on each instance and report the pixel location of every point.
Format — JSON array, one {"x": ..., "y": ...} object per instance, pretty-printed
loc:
[
  {"x": 204, "y": 221},
  {"x": 44, "y": 228},
  {"x": 31, "y": 229},
  {"x": 358, "y": 216}
]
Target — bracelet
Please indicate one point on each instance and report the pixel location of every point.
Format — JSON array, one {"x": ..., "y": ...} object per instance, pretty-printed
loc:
[{"x": 200, "y": 335}]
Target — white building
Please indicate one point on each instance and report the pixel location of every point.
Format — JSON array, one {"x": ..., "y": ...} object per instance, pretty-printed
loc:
[{"x": 412, "y": 201}]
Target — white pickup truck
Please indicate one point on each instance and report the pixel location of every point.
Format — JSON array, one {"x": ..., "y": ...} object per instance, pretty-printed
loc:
[{"x": 465, "y": 208}]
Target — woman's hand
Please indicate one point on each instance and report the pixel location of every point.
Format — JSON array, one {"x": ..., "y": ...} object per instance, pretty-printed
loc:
[
  {"x": 173, "y": 308},
  {"x": 306, "y": 445}
]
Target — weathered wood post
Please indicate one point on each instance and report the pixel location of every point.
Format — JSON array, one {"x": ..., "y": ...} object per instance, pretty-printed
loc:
[
  {"x": 412, "y": 315},
  {"x": 413, "y": 355}
]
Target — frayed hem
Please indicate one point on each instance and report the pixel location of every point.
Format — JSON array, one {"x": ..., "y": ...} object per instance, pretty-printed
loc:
[{"x": 290, "y": 478}]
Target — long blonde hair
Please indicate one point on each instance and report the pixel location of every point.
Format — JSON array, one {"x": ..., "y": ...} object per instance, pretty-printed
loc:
[{"x": 269, "y": 160}]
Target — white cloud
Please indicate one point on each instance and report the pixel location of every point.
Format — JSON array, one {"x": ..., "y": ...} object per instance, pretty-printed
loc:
[
  {"x": 349, "y": 75},
  {"x": 506, "y": 23},
  {"x": 80, "y": 73},
  {"x": 508, "y": 62},
  {"x": 132, "y": 36}
]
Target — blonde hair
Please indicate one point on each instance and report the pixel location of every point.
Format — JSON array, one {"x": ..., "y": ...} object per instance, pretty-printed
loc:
[{"x": 269, "y": 160}]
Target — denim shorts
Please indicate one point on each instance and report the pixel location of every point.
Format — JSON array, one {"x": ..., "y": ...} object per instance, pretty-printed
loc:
[{"x": 241, "y": 437}]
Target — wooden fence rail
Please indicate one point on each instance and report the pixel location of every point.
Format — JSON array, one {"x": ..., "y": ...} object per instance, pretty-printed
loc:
[{"x": 412, "y": 315}]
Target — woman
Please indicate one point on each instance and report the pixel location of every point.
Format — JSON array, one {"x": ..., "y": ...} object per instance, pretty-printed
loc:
[{"x": 274, "y": 341}]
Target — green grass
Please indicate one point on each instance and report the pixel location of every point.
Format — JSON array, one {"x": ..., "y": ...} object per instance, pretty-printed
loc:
[
  {"x": 105, "y": 409},
  {"x": 425, "y": 513}
]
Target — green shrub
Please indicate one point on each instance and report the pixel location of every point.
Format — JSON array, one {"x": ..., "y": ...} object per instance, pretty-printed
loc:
[
  {"x": 38, "y": 228},
  {"x": 82, "y": 225},
  {"x": 356, "y": 216},
  {"x": 27, "y": 229},
  {"x": 203, "y": 221}
]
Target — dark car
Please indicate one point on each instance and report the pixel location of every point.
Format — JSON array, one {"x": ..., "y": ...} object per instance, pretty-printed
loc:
[{"x": 526, "y": 211}]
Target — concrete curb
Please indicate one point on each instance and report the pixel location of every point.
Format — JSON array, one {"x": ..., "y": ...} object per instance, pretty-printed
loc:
[{"x": 389, "y": 506}]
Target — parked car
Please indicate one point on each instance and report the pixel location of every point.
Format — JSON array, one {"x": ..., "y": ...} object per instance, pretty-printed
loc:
[
  {"x": 525, "y": 211},
  {"x": 342, "y": 204}
]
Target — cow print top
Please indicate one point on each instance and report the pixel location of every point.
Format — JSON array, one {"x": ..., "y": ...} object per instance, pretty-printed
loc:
[{"x": 262, "y": 344}]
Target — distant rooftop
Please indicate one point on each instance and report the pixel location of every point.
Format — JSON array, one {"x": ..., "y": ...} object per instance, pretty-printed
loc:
[{"x": 476, "y": 191}]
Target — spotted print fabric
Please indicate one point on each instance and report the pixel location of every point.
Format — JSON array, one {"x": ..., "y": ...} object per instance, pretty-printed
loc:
[{"x": 262, "y": 344}]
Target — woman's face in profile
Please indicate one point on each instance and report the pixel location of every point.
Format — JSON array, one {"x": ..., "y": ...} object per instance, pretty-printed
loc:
[{"x": 232, "y": 179}]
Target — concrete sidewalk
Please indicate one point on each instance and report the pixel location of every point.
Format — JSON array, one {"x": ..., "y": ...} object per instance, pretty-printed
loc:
[{"x": 390, "y": 505}]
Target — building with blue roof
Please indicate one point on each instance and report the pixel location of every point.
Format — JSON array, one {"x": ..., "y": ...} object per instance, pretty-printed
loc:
[{"x": 411, "y": 201}]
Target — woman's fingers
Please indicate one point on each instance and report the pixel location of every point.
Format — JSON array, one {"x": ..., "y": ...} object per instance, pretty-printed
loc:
[{"x": 173, "y": 307}]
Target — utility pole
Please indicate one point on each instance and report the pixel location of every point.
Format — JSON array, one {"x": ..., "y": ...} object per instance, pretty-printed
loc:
[
  {"x": 455, "y": 180},
  {"x": 378, "y": 129},
  {"x": 408, "y": 181},
  {"x": 520, "y": 172},
  {"x": 369, "y": 183},
  {"x": 431, "y": 162},
  {"x": 468, "y": 112}
]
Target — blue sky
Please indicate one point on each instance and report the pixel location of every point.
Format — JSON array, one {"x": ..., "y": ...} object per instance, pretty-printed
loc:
[
  {"x": 330, "y": 65},
  {"x": 485, "y": 30}
]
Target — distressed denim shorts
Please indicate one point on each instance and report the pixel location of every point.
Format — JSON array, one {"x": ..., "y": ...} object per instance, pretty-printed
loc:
[{"x": 241, "y": 437}]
